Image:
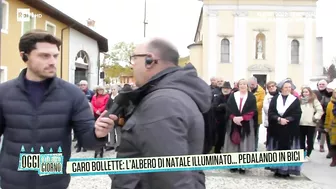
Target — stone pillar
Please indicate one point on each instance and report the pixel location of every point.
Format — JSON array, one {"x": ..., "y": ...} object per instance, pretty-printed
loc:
[
  {"x": 72, "y": 70},
  {"x": 240, "y": 46},
  {"x": 281, "y": 52},
  {"x": 318, "y": 71},
  {"x": 212, "y": 45},
  {"x": 309, "y": 40}
]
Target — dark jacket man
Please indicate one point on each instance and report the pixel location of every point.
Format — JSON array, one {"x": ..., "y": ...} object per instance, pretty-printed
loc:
[
  {"x": 89, "y": 94},
  {"x": 83, "y": 85},
  {"x": 49, "y": 124},
  {"x": 220, "y": 114},
  {"x": 324, "y": 97},
  {"x": 210, "y": 121},
  {"x": 167, "y": 121}
]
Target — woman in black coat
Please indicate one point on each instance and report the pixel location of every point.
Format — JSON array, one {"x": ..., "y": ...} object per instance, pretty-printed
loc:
[
  {"x": 220, "y": 114},
  {"x": 284, "y": 116},
  {"x": 242, "y": 118}
]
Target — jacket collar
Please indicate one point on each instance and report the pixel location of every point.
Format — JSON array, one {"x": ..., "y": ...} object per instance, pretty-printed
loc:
[
  {"x": 52, "y": 83},
  {"x": 135, "y": 96}
]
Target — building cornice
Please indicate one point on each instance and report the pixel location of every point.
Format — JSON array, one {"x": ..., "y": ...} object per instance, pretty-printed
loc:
[
  {"x": 195, "y": 44},
  {"x": 306, "y": 8}
]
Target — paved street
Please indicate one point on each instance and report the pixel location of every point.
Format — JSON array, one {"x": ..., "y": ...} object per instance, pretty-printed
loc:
[{"x": 318, "y": 171}]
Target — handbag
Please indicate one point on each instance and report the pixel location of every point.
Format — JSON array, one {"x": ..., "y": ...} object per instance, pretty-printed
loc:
[{"x": 235, "y": 137}]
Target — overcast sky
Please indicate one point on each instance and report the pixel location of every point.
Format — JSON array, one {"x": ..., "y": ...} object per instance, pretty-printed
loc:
[
  {"x": 122, "y": 20},
  {"x": 176, "y": 20}
]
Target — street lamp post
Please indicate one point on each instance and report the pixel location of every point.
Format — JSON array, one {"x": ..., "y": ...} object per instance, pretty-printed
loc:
[{"x": 145, "y": 18}]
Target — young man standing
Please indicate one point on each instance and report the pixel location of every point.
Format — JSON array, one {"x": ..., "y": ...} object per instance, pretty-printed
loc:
[{"x": 37, "y": 109}]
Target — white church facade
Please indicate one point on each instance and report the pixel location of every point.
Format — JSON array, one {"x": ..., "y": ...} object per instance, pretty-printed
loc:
[{"x": 271, "y": 40}]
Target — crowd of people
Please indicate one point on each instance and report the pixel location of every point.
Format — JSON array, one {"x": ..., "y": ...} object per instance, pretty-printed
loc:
[
  {"x": 293, "y": 120},
  {"x": 171, "y": 112},
  {"x": 100, "y": 99}
]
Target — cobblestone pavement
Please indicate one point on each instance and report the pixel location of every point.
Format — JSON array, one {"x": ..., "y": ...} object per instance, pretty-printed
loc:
[{"x": 216, "y": 179}]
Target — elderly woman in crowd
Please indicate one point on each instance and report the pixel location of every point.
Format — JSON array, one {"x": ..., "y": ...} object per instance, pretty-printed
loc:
[
  {"x": 242, "y": 112},
  {"x": 284, "y": 116},
  {"x": 330, "y": 127},
  {"x": 272, "y": 91},
  {"x": 113, "y": 94},
  {"x": 99, "y": 102},
  {"x": 115, "y": 133},
  {"x": 326, "y": 95}
]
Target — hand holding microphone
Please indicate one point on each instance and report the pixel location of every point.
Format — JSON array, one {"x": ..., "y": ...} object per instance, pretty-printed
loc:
[{"x": 104, "y": 124}]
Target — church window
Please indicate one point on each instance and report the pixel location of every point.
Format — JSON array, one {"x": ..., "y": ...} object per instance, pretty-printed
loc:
[
  {"x": 295, "y": 49},
  {"x": 225, "y": 51}
]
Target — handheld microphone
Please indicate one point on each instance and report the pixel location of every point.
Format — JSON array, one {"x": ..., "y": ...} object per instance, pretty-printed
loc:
[{"x": 119, "y": 103}]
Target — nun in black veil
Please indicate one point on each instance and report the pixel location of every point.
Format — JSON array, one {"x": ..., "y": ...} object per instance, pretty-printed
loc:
[{"x": 284, "y": 116}]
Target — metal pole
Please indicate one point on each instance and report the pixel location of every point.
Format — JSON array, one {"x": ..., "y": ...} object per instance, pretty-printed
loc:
[{"x": 145, "y": 18}]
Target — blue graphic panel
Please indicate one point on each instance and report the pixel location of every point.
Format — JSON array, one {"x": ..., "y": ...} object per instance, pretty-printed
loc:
[{"x": 51, "y": 164}]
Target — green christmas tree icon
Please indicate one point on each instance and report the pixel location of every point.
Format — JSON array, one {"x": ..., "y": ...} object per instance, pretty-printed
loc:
[{"x": 23, "y": 149}]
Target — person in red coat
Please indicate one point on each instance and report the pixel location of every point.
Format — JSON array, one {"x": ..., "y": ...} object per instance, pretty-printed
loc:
[{"x": 99, "y": 102}]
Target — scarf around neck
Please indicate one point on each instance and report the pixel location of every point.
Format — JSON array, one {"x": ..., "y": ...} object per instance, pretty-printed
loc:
[
  {"x": 324, "y": 92},
  {"x": 113, "y": 96},
  {"x": 304, "y": 100}
]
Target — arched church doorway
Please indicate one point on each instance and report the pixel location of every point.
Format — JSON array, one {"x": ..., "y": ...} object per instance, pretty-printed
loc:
[{"x": 82, "y": 63}]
